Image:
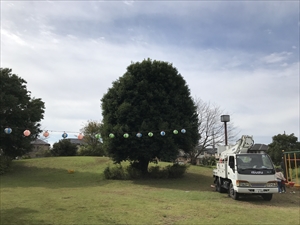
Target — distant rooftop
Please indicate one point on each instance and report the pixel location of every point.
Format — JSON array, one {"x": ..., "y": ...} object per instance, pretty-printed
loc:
[
  {"x": 39, "y": 142},
  {"x": 75, "y": 141}
]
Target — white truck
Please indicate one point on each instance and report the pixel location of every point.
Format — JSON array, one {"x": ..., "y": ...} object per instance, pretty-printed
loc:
[{"x": 240, "y": 171}]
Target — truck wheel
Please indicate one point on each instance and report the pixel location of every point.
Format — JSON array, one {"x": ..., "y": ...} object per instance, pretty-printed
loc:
[
  {"x": 218, "y": 187},
  {"x": 232, "y": 193},
  {"x": 267, "y": 197}
]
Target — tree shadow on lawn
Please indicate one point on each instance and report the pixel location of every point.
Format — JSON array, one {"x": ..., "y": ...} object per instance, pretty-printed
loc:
[
  {"x": 201, "y": 183},
  {"x": 189, "y": 182},
  {"x": 15, "y": 216},
  {"x": 24, "y": 176}
]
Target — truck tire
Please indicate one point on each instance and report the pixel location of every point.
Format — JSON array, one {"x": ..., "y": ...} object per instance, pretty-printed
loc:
[
  {"x": 218, "y": 187},
  {"x": 267, "y": 197},
  {"x": 232, "y": 193}
]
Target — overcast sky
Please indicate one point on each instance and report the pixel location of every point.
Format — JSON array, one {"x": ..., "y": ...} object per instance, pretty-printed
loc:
[{"x": 242, "y": 56}]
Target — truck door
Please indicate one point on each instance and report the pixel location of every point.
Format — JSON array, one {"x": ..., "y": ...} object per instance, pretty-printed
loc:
[{"x": 231, "y": 168}]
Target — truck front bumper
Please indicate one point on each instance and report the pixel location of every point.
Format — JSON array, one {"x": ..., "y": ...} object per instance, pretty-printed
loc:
[{"x": 249, "y": 190}]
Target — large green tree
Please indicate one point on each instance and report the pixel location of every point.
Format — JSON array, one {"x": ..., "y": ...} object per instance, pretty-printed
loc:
[
  {"x": 150, "y": 97},
  {"x": 18, "y": 111},
  {"x": 282, "y": 142}
]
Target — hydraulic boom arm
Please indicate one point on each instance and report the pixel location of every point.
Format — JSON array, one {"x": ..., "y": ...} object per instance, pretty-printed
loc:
[{"x": 241, "y": 146}]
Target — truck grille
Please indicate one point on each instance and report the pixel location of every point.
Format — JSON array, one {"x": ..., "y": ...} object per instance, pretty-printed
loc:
[{"x": 258, "y": 185}]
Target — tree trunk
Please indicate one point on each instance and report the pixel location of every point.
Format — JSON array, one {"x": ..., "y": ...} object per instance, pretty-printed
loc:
[
  {"x": 143, "y": 164},
  {"x": 193, "y": 160}
]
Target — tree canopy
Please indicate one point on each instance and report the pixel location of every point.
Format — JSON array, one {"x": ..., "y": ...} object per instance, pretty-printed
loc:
[
  {"x": 92, "y": 139},
  {"x": 150, "y": 97},
  {"x": 282, "y": 142},
  {"x": 64, "y": 148},
  {"x": 19, "y": 111}
]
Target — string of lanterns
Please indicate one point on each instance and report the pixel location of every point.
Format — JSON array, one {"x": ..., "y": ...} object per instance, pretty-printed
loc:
[
  {"x": 98, "y": 136},
  {"x": 26, "y": 133},
  {"x": 9, "y": 131},
  {"x": 150, "y": 134}
]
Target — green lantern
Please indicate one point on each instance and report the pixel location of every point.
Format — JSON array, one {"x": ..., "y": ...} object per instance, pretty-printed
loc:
[
  {"x": 126, "y": 135},
  {"x": 111, "y": 135},
  {"x": 175, "y": 131},
  {"x": 98, "y": 136},
  {"x": 150, "y": 134}
]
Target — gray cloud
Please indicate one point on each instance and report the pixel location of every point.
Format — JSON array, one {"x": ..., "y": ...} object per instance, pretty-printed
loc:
[{"x": 71, "y": 53}]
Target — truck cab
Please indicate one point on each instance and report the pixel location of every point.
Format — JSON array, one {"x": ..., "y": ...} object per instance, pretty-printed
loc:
[
  {"x": 240, "y": 173},
  {"x": 251, "y": 174}
]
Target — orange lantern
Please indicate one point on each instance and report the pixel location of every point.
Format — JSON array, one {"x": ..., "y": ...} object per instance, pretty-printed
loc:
[
  {"x": 26, "y": 133},
  {"x": 46, "y": 134},
  {"x": 80, "y": 136}
]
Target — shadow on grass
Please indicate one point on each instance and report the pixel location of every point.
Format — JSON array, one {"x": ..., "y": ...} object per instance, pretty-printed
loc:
[
  {"x": 32, "y": 176},
  {"x": 25, "y": 176},
  {"x": 199, "y": 182},
  {"x": 19, "y": 216},
  {"x": 189, "y": 182}
]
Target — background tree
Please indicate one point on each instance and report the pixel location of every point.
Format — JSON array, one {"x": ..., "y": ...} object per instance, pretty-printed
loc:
[
  {"x": 64, "y": 148},
  {"x": 282, "y": 142},
  {"x": 150, "y": 97},
  {"x": 19, "y": 112},
  {"x": 93, "y": 144},
  {"x": 211, "y": 130}
]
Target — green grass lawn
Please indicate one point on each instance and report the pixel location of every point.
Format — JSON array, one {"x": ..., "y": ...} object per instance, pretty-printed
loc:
[{"x": 41, "y": 191}]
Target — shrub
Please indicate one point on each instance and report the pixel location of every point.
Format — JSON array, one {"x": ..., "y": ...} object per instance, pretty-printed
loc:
[
  {"x": 133, "y": 172},
  {"x": 26, "y": 157},
  {"x": 5, "y": 163},
  {"x": 208, "y": 161},
  {"x": 88, "y": 150},
  {"x": 157, "y": 172},
  {"x": 176, "y": 170},
  {"x": 115, "y": 173}
]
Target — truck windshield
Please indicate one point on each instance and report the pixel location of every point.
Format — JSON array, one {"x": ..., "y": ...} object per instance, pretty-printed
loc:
[{"x": 253, "y": 161}]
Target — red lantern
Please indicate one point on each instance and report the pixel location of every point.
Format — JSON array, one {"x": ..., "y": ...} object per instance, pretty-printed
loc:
[
  {"x": 46, "y": 134},
  {"x": 80, "y": 136},
  {"x": 26, "y": 133}
]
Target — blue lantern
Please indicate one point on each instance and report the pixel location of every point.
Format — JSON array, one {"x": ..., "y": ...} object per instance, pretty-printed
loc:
[
  {"x": 162, "y": 133},
  {"x": 8, "y": 130},
  {"x": 183, "y": 131},
  {"x": 64, "y": 135},
  {"x": 139, "y": 135}
]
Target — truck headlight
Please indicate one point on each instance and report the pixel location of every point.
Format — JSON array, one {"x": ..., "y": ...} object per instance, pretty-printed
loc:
[
  {"x": 271, "y": 184},
  {"x": 243, "y": 183}
]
